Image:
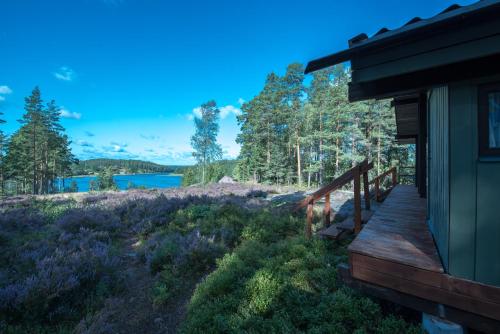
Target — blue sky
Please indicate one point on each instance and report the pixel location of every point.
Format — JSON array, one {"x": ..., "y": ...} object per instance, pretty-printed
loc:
[{"x": 130, "y": 73}]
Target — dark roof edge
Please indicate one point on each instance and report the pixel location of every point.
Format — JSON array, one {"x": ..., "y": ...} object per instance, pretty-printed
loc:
[{"x": 479, "y": 9}]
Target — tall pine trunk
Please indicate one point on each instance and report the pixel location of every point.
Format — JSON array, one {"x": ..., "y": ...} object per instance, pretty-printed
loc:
[
  {"x": 299, "y": 167},
  {"x": 320, "y": 146}
]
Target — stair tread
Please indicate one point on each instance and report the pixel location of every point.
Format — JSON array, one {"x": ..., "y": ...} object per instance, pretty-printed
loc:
[
  {"x": 330, "y": 232},
  {"x": 348, "y": 223}
]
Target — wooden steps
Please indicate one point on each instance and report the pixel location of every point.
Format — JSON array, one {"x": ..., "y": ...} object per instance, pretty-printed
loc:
[
  {"x": 348, "y": 224},
  {"x": 335, "y": 230},
  {"x": 331, "y": 232}
]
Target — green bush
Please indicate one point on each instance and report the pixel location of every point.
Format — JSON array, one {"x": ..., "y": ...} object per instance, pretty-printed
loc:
[{"x": 283, "y": 285}]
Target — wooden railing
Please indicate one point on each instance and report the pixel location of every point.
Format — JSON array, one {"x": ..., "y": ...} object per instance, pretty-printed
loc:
[
  {"x": 354, "y": 174},
  {"x": 407, "y": 175},
  {"x": 379, "y": 181}
]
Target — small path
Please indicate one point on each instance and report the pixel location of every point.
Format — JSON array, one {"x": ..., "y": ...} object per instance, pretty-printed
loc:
[{"x": 133, "y": 311}]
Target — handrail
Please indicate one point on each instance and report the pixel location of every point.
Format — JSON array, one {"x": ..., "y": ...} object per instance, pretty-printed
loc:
[
  {"x": 339, "y": 182},
  {"x": 380, "y": 178},
  {"x": 354, "y": 174}
]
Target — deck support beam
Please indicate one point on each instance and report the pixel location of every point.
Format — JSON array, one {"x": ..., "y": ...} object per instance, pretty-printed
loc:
[{"x": 458, "y": 316}]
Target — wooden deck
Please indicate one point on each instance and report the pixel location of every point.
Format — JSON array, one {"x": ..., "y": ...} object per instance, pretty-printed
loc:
[
  {"x": 398, "y": 232},
  {"x": 396, "y": 250}
]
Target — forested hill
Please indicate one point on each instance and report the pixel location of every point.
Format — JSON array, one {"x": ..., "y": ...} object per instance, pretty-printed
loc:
[{"x": 121, "y": 166}]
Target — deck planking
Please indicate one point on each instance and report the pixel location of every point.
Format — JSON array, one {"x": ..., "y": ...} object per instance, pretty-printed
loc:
[
  {"x": 396, "y": 250},
  {"x": 398, "y": 232}
]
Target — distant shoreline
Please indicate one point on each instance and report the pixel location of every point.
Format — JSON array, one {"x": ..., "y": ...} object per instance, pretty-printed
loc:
[{"x": 129, "y": 174}]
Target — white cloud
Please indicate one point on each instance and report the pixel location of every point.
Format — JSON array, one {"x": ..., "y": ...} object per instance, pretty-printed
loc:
[
  {"x": 229, "y": 109},
  {"x": 224, "y": 112},
  {"x": 119, "y": 149},
  {"x": 114, "y": 148},
  {"x": 65, "y": 74},
  {"x": 241, "y": 101},
  {"x": 84, "y": 143},
  {"x": 5, "y": 90},
  {"x": 197, "y": 112},
  {"x": 115, "y": 143},
  {"x": 65, "y": 113},
  {"x": 89, "y": 134}
]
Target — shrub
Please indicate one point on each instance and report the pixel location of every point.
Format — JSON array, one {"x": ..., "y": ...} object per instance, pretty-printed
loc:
[{"x": 284, "y": 286}]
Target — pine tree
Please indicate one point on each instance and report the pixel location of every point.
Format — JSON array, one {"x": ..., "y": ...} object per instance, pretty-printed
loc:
[
  {"x": 204, "y": 141},
  {"x": 32, "y": 129},
  {"x": 3, "y": 146},
  {"x": 294, "y": 93},
  {"x": 289, "y": 131},
  {"x": 38, "y": 151}
]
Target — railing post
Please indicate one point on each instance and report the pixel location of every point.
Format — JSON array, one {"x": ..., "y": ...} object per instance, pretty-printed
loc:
[
  {"x": 394, "y": 176},
  {"x": 309, "y": 219},
  {"x": 357, "y": 200},
  {"x": 327, "y": 210},
  {"x": 366, "y": 186},
  {"x": 377, "y": 189}
]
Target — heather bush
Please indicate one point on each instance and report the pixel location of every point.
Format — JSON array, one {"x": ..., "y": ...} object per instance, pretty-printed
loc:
[
  {"x": 62, "y": 260},
  {"x": 52, "y": 272},
  {"x": 92, "y": 218}
]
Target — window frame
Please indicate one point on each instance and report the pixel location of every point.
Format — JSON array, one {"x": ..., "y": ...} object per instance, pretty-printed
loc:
[{"x": 483, "y": 120}]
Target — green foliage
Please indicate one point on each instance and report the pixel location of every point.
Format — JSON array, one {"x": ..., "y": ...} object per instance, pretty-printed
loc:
[
  {"x": 73, "y": 187},
  {"x": 214, "y": 172},
  {"x": 295, "y": 133},
  {"x": 38, "y": 152},
  {"x": 204, "y": 141},
  {"x": 119, "y": 166},
  {"x": 278, "y": 282},
  {"x": 105, "y": 180}
]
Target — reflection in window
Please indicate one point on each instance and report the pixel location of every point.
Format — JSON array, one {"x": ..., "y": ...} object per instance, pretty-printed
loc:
[{"x": 494, "y": 119}]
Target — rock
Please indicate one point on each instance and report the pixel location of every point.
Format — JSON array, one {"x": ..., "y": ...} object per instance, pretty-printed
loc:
[{"x": 226, "y": 179}]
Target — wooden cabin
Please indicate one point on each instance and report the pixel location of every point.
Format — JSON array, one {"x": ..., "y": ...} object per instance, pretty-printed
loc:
[{"x": 435, "y": 247}]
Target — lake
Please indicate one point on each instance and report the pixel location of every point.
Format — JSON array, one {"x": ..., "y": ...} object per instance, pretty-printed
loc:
[{"x": 122, "y": 181}]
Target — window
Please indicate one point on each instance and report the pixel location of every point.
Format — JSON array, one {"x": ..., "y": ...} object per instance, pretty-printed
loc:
[{"x": 489, "y": 120}]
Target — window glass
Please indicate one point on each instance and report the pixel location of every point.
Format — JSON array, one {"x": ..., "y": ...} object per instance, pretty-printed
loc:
[{"x": 494, "y": 119}]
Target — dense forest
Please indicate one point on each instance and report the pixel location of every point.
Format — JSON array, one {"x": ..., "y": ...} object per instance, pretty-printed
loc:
[
  {"x": 293, "y": 133},
  {"x": 122, "y": 166},
  {"x": 214, "y": 172},
  {"x": 38, "y": 152}
]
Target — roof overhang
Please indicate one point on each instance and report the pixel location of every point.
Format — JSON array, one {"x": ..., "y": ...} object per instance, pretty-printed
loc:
[
  {"x": 459, "y": 43},
  {"x": 415, "y": 29}
]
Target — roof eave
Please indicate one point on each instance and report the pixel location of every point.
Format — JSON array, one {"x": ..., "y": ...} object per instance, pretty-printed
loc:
[{"x": 405, "y": 34}]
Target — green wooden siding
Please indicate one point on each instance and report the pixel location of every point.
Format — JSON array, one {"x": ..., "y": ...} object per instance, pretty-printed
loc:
[
  {"x": 438, "y": 196},
  {"x": 462, "y": 182},
  {"x": 488, "y": 223},
  {"x": 474, "y": 238}
]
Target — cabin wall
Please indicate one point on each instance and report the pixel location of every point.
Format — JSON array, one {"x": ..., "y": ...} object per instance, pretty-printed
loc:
[
  {"x": 438, "y": 177},
  {"x": 474, "y": 234}
]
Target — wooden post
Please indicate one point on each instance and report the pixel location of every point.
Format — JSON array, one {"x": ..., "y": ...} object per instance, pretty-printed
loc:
[
  {"x": 309, "y": 219},
  {"x": 366, "y": 186},
  {"x": 377, "y": 189},
  {"x": 357, "y": 201},
  {"x": 327, "y": 210},
  {"x": 394, "y": 176}
]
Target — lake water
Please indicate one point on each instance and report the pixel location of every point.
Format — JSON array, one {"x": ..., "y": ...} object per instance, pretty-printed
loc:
[{"x": 122, "y": 181}]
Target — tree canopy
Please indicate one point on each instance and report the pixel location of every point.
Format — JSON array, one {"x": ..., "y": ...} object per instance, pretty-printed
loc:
[
  {"x": 38, "y": 152},
  {"x": 204, "y": 141},
  {"x": 292, "y": 132}
]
